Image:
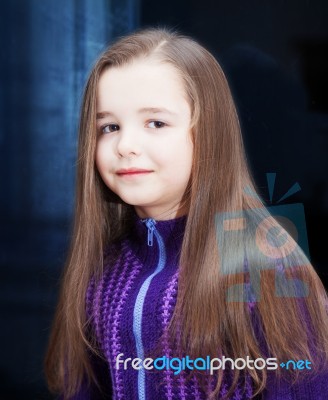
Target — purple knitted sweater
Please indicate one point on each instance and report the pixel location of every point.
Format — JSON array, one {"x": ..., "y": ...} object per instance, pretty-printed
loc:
[{"x": 131, "y": 306}]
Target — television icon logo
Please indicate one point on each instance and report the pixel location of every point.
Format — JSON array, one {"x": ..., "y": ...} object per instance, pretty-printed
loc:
[{"x": 255, "y": 236}]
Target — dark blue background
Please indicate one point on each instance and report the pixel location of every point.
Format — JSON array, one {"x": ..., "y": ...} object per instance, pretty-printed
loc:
[{"x": 275, "y": 56}]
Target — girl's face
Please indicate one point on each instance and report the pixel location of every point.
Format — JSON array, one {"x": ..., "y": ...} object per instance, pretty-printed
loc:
[{"x": 144, "y": 146}]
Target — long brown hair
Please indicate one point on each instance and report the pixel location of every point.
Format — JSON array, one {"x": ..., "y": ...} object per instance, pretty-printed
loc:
[{"x": 212, "y": 315}]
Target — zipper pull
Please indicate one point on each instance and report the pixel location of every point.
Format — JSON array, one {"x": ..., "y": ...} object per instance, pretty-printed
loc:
[{"x": 150, "y": 223}]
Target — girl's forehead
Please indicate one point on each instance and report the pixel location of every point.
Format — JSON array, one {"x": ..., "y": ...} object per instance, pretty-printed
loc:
[
  {"x": 144, "y": 83},
  {"x": 145, "y": 70}
]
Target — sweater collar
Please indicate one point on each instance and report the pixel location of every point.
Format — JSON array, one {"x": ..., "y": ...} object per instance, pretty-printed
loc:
[
  {"x": 166, "y": 228},
  {"x": 171, "y": 232}
]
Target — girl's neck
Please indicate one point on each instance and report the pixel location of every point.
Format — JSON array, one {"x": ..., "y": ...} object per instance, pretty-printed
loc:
[{"x": 160, "y": 214}]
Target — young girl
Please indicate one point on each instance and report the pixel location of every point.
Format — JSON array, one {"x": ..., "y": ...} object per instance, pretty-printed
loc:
[{"x": 179, "y": 284}]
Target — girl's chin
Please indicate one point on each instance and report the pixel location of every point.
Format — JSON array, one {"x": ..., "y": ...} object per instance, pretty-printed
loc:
[
  {"x": 138, "y": 203},
  {"x": 139, "y": 197}
]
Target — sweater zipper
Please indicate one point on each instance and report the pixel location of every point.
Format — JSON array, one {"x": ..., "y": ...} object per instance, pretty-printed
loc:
[
  {"x": 138, "y": 307},
  {"x": 150, "y": 223}
]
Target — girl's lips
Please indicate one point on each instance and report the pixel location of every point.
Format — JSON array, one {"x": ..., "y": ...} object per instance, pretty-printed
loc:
[{"x": 132, "y": 171}]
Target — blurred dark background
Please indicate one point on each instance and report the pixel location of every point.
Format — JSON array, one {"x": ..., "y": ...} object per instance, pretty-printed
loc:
[{"x": 275, "y": 56}]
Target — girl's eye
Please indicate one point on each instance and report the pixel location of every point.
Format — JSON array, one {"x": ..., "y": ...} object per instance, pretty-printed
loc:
[
  {"x": 109, "y": 128},
  {"x": 156, "y": 124}
]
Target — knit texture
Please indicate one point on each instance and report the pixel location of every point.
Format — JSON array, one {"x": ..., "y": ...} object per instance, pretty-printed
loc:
[{"x": 130, "y": 274}]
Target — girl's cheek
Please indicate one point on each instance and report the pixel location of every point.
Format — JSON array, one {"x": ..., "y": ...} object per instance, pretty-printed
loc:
[{"x": 103, "y": 152}]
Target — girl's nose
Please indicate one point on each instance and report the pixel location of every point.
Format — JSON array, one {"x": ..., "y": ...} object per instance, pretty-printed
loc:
[{"x": 128, "y": 144}]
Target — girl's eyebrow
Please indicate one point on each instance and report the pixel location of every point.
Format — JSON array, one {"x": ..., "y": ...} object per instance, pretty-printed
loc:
[
  {"x": 144, "y": 110},
  {"x": 155, "y": 110}
]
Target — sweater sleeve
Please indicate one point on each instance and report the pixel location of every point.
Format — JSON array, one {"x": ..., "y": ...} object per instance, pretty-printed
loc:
[
  {"x": 309, "y": 388},
  {"x": 91, "y": 391},
  {"x": 99, "y": 366}
]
